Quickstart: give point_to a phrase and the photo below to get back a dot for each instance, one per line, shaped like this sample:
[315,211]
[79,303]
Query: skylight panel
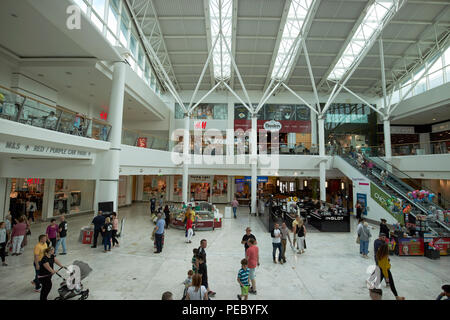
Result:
[374,19]
[221,18]
[298,11]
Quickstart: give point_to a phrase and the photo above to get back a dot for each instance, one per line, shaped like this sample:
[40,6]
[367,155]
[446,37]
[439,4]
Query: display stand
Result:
[329,223]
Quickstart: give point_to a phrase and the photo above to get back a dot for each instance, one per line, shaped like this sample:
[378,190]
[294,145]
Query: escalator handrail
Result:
[409,178]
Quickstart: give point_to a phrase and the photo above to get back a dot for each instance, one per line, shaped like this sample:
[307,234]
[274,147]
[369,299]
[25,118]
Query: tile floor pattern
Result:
[331,268]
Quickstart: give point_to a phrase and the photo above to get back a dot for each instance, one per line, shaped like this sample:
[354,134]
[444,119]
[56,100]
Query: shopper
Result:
[115,223]
[98,223]
[38,255]
[276,243]
[248,235]
[107,234]
[294,230]
[358,228]
[18,233]
[3,241]
[364,236]
[161,202]
[203,271]
[234,205]
[167,296]
[253,261]
[384,228]
[358,210]
[31,209]
[159,233]
[46,271]
[194,260]
[197,291]
[52,232]
[377,244]
[284,237]
[242,279]
[202,253]
[152,204]
[189,229]
[62,234]
[27,233]
[301,233]
[167,215]
[385,266]
[444,293]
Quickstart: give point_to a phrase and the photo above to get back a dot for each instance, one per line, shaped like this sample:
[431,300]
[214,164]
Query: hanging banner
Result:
[382,198]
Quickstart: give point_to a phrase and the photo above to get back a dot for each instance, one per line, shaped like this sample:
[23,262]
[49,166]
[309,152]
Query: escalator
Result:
[395,187]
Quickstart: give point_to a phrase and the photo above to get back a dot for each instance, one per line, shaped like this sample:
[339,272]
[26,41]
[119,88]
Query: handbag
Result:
[357,240]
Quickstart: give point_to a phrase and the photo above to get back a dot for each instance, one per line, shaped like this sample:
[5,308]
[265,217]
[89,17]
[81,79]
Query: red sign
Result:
[411,247]
[287,126]
[33,181]
[103,115]
[200,125]
[142,142]
[442,244]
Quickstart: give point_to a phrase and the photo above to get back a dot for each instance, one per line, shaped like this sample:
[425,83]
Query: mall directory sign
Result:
[411,247]
[383,199]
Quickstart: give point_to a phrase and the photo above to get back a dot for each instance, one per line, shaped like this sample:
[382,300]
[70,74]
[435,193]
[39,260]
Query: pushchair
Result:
[65,293]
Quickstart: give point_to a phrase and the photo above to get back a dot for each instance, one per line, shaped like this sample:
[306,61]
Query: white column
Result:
[4,198]
[48,199]
[109,183]
[129,194]
[424,139]
[387,139]
[322,172]
[186,156]
[254,161]
[313,129]
[140,188]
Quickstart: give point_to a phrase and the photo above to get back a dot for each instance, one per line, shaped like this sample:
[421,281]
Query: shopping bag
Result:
[357,240]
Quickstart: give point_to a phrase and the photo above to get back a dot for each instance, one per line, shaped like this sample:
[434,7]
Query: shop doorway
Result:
[200,191]
[23,190]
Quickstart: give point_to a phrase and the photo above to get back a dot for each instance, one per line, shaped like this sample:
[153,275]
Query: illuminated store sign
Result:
[346,118]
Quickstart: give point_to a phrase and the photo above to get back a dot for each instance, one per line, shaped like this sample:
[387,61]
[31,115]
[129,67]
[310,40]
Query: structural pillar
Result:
[109,183]
[387,139]
[322,169]
[48,200]
[313,129]
[4,198]
[186,157]
[254,162]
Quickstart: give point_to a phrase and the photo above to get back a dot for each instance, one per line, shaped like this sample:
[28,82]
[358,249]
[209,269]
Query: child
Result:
[187,283]
[242,278]
[107,234]
[194,260]
[3,241]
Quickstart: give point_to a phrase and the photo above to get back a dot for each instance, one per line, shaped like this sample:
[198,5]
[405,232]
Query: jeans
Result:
[234,211]
[275,247]
[107,242]
[53,241]
[61,241]
[96,232]
[37,284]
[364,247]
[158,240]
[17,241]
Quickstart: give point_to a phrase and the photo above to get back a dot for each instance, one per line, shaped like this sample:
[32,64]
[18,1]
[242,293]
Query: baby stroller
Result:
[65,293]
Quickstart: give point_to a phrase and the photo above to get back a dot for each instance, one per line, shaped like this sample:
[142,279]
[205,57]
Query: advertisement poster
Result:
[411,247]
[382,198]
[443,244]
[142,142]
[362,199]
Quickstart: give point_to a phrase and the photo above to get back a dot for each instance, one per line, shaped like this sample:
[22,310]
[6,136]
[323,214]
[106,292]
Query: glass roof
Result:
[374,19]
[298,11]
[221,16]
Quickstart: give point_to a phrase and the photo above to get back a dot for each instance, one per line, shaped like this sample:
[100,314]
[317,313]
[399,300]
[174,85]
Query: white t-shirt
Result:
[276,233]
[196,295]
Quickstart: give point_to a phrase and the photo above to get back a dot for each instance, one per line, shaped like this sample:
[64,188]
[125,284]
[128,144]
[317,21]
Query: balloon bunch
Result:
[394,204]
[421,195]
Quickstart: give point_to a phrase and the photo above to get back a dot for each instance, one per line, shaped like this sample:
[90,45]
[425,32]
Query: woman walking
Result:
[189,229]
[27,233]
[52,232]
[197,291]
[115,223]
[364,236]
[107,234]
[46,271]
[18,233]
[167,215]
[301,233]
[385,266]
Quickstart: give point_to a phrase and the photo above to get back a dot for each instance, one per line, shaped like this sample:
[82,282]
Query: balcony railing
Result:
[20,108]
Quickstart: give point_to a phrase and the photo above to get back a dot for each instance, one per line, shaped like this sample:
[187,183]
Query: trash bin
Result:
[86,235]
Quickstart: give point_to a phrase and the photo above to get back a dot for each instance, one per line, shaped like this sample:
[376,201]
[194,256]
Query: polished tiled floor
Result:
[331,268]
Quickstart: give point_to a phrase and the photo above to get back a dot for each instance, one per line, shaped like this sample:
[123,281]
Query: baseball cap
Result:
[382,234]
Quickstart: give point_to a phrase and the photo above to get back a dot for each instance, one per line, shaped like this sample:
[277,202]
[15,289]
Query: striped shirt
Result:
[243,276]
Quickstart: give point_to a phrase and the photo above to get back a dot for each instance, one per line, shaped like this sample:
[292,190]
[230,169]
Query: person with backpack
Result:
[276,243]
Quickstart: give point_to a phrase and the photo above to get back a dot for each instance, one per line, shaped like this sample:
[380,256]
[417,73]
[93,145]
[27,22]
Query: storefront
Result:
[209,188]
[73,196]
[154,186]
[23,189]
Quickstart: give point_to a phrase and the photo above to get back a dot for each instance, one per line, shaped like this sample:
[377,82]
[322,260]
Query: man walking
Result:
[202,253]
[235,205]
[62,233]
[378,243]
[248,235]
[284,237]
[98,223]
[159,232]
[253,261]
[276,244]
[38,255]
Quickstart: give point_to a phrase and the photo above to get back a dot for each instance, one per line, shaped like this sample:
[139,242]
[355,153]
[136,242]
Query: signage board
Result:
[382,198]
[443,244]
[346,118]
[142,142]
[272,126]
[362,199]
[411,247]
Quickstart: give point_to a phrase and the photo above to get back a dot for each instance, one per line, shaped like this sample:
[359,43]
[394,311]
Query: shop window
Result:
[154,186]
[73,196]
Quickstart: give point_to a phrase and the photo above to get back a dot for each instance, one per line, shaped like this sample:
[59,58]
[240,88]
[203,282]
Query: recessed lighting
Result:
[434,119]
